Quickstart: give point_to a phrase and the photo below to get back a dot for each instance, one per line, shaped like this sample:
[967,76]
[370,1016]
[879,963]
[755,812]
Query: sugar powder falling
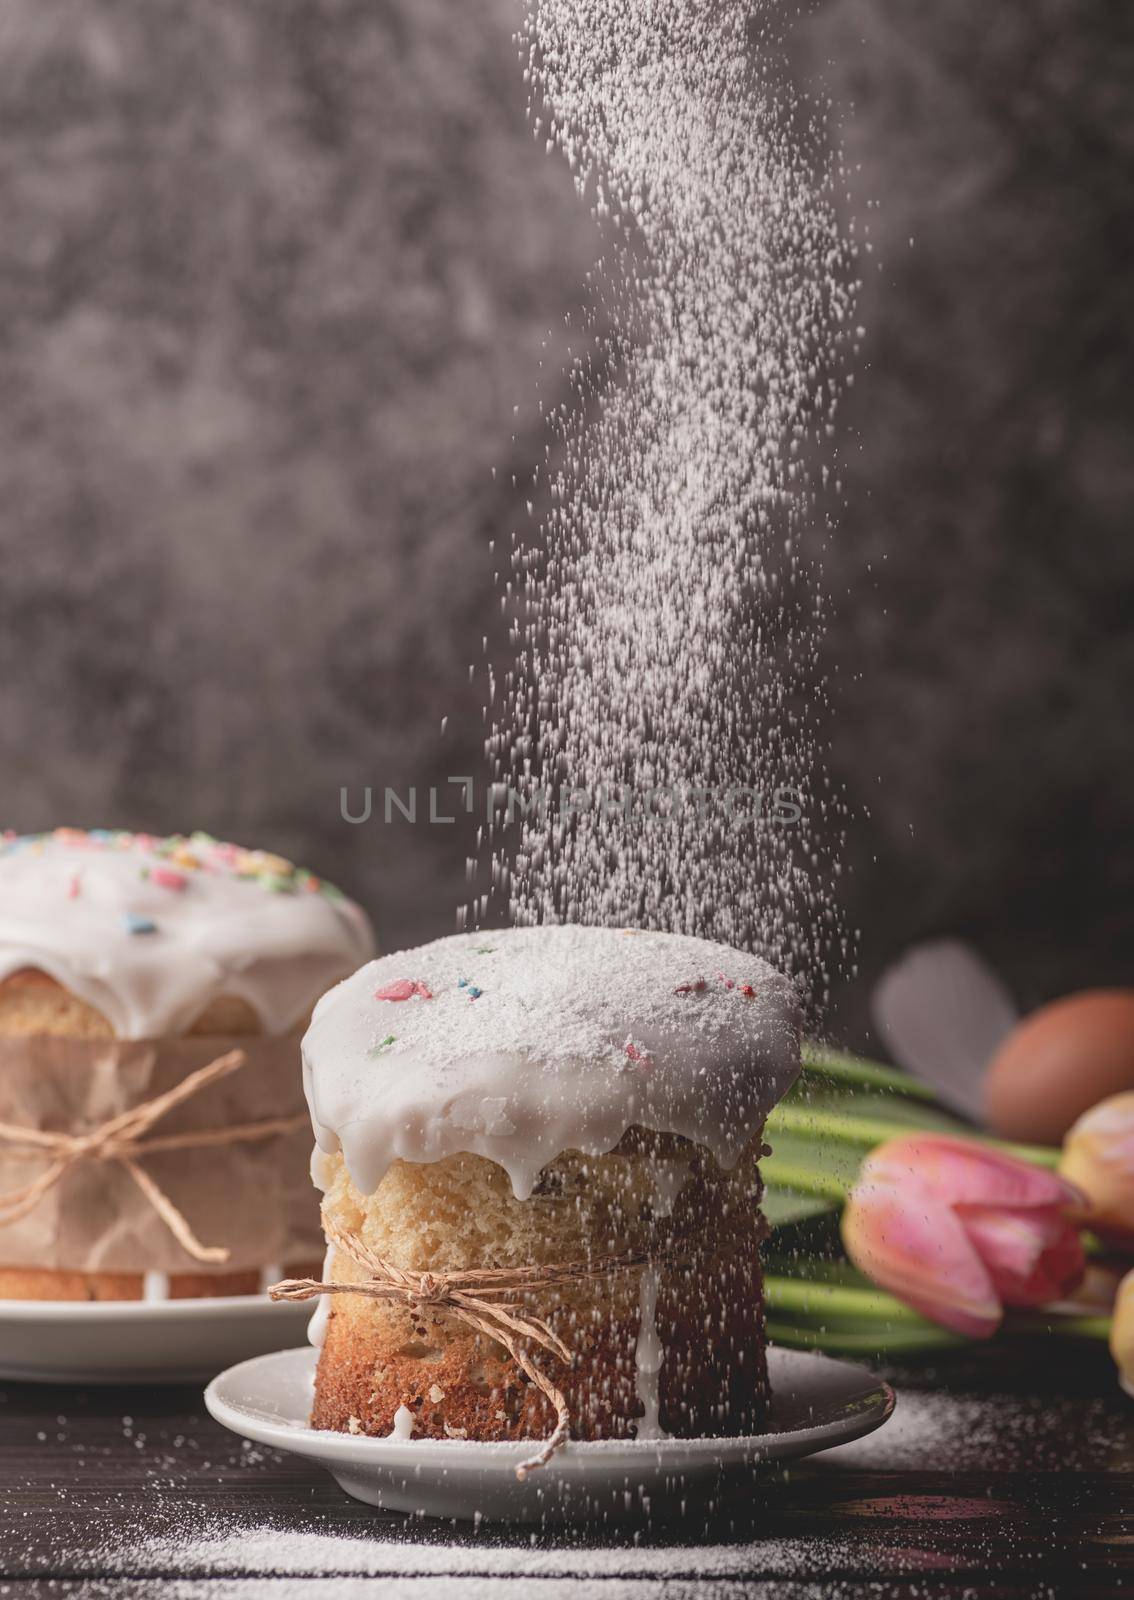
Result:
[659,715]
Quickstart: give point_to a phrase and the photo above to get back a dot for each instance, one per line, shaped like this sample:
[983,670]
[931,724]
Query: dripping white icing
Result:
[155,1286]
[540,1040]
[268,1276]
[669,1178]
[149,931]
[403,1424]
[648,1356]
[317,1326]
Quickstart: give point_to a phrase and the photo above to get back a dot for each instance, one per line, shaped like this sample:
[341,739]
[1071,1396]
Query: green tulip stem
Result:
[817,1298]
[871,1131]
[839,1067]
[870,1342]
[834,1316]
[805,1180]
[820,1301]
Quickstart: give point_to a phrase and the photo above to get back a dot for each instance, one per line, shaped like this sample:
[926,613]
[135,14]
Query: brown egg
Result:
[1059,1062]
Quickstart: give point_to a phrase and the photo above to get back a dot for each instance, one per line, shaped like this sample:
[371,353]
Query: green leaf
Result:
[840,1067]
[783,1208]
[822,1168]
[872,1104]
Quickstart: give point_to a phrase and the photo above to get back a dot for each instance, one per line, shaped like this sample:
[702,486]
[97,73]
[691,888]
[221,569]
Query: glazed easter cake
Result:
[129,963]
[532,1101]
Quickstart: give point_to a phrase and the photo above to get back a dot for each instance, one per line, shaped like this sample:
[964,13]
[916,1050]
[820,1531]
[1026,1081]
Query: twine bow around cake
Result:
[123,1139]
[481,1297]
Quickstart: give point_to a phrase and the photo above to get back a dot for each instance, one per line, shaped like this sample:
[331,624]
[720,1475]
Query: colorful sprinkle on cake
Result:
[171,861]
[149,930]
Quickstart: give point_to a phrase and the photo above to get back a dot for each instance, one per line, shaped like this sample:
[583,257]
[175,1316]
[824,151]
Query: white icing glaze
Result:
[540,1040]
[403,1424]
[149,930]
[670,1177]
[317,1326]
[648,1356]
[155,1286]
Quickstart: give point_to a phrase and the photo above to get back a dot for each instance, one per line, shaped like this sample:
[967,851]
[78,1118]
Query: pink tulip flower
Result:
[1098,1158]
[959,1231]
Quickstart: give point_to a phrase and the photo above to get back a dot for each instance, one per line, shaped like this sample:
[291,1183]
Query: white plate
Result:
[143,1341]
[816,1403]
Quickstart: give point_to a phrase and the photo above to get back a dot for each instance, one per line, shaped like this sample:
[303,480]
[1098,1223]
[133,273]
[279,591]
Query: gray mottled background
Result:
[275,276]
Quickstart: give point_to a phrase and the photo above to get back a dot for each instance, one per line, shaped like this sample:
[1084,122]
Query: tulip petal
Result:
[1111,1120]
[918,1249]
[967,1174]
[1032,1257]
[1098,1157]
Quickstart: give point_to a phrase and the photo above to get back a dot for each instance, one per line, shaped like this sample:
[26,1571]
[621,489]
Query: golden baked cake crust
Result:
[33,1003]
[377,1357]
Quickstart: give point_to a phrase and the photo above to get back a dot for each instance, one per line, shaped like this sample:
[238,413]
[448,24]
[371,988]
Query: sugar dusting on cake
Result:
[149,930]
[525,1043]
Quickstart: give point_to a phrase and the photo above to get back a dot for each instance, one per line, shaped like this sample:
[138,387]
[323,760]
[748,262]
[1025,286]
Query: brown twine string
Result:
[122,1138]
[471,1296]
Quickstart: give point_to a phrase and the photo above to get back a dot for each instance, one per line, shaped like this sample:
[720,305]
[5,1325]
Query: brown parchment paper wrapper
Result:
[255,1198]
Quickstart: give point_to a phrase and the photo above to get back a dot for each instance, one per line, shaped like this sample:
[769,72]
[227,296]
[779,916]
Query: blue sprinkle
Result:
[462,983]
[474,992]
[137,924]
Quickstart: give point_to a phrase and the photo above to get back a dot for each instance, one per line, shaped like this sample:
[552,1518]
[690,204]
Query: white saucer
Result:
[145,1341]
[816,1403]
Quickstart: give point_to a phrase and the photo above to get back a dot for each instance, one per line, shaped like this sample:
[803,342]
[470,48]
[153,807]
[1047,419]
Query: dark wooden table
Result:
[1004,1473]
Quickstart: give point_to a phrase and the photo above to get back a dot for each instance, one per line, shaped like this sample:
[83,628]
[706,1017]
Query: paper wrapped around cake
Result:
[250,1196]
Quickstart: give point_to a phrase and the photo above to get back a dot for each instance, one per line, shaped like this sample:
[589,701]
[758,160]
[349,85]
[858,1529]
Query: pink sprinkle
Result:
[636,1053]
[168,877]
[691,988]
[74,887]
[403,989]
[748,991]
[728,983]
